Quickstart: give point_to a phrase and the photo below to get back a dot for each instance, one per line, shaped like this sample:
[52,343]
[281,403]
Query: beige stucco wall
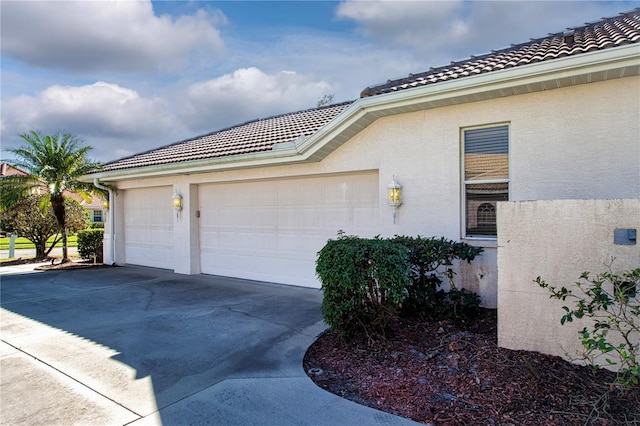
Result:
[556,240]
[577,142]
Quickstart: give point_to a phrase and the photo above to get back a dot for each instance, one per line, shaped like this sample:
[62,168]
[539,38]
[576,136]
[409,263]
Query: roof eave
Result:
[590,67]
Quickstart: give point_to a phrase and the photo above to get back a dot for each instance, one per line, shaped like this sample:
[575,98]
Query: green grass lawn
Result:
[23,243]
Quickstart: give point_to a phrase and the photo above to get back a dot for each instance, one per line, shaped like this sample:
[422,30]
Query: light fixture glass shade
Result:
[105,204]
[177,201]
[395,193]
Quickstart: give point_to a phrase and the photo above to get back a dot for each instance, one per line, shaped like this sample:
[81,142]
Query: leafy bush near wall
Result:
[612,303]
[363,281]
[432,260]
[90,244]
[369,282]
[96,225]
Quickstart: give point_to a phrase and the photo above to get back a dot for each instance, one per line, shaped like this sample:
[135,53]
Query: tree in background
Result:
[54,164]
[32,218]
[325,100]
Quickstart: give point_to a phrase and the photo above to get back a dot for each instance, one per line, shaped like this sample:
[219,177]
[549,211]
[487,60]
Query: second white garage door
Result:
[272,230]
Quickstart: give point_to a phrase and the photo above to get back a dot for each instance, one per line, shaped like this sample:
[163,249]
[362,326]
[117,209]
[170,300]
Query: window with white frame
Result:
[97,216]
[486,177]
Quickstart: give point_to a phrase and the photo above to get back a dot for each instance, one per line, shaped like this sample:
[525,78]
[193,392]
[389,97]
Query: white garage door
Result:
[272,230]
[148,227]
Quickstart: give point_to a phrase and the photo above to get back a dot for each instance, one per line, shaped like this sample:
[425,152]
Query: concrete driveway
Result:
[130,345]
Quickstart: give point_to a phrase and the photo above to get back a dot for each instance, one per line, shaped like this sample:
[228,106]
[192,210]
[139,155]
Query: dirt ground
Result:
[440,373]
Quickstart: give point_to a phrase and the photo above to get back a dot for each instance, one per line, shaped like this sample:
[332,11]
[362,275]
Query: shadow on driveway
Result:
[132,345]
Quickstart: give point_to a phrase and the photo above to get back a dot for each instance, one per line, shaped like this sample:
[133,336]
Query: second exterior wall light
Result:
[394,191]
[177,203]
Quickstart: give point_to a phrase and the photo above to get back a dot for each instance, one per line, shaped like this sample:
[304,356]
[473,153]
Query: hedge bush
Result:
[363,281]
[431,260]
[90,244]
[367,283]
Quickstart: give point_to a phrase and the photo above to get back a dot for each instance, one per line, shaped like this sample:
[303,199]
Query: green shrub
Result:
[90,244]
[368,282]
[431,259]
[461,304]
[610,301]
[96,225]
[363,281]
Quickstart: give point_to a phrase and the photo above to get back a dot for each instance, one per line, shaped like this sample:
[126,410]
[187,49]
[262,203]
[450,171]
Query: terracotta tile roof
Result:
[604,34]
[254,136]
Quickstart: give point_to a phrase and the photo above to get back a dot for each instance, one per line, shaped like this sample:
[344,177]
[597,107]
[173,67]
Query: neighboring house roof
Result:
[254,136]
[607,49]
[605,34]
[9,170]
[96,201]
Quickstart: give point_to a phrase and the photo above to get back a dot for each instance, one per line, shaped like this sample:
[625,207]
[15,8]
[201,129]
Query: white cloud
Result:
[118,121]
[97,112]
[441,31]
[248,94]
[122,36]
[410,23]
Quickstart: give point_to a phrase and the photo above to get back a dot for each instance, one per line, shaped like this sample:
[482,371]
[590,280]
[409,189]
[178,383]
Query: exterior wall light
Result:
[394,191]
[105,210]
[177,203]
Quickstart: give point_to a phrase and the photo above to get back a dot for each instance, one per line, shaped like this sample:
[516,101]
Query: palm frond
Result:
[16,187]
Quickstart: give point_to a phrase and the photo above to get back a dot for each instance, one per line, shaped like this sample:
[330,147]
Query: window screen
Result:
[486,177]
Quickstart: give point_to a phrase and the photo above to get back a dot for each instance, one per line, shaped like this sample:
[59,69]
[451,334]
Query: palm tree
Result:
[53,164]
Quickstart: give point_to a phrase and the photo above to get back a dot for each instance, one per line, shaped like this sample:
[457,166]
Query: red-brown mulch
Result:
[54,264]
[70,265]
[440,373]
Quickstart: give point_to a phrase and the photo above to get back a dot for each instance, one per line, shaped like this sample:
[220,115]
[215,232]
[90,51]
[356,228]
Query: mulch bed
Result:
[54,264]
[71,265]
[440,373]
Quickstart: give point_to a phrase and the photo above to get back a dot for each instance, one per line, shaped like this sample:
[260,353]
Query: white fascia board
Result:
[260,159]
[366,110]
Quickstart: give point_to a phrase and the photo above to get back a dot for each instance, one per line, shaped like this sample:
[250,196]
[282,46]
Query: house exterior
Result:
[554,118]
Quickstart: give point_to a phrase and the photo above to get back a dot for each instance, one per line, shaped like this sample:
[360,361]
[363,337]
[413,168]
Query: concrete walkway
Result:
[140,346]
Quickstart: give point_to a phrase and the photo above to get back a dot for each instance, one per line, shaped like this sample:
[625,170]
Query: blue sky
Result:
[128,76]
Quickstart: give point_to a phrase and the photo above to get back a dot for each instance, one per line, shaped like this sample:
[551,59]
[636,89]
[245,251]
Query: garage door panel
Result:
[272,230]
[148,227]
[336,216]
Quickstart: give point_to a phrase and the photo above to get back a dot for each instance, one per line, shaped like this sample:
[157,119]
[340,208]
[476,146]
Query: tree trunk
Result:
[57,203]
[41,248]
[56,240]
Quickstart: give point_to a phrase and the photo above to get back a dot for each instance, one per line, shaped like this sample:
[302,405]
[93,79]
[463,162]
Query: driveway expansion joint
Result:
[41,361]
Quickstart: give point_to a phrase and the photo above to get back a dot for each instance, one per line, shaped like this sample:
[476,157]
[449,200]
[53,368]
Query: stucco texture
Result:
[579,142]
[557,240]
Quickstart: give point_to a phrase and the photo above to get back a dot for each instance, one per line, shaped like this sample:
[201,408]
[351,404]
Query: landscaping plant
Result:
[53,164]
[34,219]
[90,244]
[610,301]
[431,260]
[367,283]
[363,281]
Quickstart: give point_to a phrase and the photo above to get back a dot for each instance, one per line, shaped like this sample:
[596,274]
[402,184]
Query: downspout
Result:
[112,225]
